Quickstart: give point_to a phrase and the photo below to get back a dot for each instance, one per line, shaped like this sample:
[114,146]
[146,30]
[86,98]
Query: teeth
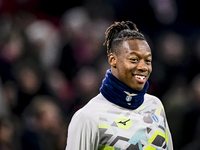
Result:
[140,77]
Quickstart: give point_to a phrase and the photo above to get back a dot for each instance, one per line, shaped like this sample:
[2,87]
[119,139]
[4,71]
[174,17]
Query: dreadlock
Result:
[120,31]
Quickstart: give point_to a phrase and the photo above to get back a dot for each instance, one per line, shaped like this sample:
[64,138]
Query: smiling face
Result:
[131,64]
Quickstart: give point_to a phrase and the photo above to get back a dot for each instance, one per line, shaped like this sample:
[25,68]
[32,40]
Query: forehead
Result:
[136,45]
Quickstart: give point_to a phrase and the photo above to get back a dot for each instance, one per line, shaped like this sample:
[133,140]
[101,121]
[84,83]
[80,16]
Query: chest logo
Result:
[124,122]
[129,96]
[155,118]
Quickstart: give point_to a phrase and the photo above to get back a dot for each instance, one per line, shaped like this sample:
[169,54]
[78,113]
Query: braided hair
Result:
[120,31]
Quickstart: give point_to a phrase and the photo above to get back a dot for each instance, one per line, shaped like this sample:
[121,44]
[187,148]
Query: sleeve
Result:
[83,133]
[169,137]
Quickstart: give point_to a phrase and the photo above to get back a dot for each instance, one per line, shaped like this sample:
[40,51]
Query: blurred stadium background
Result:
[52,61]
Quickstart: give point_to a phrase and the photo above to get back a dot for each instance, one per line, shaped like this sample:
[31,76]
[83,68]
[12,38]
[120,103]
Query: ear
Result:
[112,59]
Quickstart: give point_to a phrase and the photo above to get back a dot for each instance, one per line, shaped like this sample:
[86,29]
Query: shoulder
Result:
[83,129]
[91,110]
[152,98]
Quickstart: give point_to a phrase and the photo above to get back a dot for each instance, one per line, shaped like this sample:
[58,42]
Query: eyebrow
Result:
[137,53]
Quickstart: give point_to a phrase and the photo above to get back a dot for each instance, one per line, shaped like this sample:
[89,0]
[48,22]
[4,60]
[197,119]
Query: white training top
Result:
[102,125]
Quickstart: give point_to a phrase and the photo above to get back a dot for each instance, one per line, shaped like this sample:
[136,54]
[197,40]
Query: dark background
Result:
[52,62]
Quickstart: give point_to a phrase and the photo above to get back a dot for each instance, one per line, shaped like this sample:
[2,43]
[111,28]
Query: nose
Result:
[142,66]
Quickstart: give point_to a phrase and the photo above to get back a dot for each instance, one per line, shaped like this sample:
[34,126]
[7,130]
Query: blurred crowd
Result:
[52,62]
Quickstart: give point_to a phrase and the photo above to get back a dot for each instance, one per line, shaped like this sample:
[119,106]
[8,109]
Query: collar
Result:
[120,94]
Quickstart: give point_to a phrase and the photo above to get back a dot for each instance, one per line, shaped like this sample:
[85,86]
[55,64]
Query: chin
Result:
[138,88]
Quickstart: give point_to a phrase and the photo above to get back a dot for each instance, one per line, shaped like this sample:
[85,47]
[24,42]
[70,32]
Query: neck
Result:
[120,94]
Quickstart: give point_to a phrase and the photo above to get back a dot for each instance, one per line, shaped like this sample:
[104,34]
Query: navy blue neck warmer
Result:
[118,93]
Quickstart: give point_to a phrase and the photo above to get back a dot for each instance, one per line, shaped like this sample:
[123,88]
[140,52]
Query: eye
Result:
[134,60]
[148,60]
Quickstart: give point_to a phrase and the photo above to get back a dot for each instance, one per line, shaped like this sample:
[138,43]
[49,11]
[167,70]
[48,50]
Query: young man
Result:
[122,116]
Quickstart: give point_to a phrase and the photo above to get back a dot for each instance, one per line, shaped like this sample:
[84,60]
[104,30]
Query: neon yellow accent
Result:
[104,126]
[155,135]
[166,136]
[124,122]
[159,109]
[141,107]
[149,147]
[106,147]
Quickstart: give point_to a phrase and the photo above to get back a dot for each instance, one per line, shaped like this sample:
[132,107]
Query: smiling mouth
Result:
[140,78]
